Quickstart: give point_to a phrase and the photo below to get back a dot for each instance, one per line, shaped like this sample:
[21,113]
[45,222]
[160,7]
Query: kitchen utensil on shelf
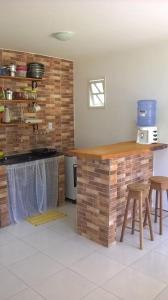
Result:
[2,93]
[8,94]
[1,154]
[36,107]
[2,108]
[33,121]
[6,116]
[12,70]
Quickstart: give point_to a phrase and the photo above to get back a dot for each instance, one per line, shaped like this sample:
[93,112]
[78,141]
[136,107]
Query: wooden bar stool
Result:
[139,193]
[159,184]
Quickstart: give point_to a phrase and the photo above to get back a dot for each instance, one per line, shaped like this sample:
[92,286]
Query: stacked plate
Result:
[35,70]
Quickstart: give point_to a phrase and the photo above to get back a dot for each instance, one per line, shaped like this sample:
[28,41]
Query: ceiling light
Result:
[63,35]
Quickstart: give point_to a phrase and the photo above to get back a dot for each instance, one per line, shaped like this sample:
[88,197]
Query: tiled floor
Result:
[52,262]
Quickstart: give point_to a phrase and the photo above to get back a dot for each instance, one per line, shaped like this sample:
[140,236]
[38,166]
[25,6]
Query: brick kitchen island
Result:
[102,178]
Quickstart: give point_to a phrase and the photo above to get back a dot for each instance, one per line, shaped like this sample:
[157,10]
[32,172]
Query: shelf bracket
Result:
[35,127]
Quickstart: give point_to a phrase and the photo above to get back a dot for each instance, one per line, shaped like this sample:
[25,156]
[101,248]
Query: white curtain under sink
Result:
[32,187]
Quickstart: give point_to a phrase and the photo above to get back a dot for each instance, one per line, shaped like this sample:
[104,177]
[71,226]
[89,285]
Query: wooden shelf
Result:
[14,124]
[20,78]
[5,102]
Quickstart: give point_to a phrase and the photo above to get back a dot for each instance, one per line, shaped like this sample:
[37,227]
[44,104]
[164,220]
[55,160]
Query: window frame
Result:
[100,79]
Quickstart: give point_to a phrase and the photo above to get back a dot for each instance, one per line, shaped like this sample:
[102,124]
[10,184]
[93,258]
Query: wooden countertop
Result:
[115,150]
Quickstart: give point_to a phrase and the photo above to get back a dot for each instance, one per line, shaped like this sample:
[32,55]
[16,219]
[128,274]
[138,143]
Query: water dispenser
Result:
[146,122]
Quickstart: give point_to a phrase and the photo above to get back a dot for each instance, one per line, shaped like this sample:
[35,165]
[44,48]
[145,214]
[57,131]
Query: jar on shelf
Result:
[12,70]
[21,70]
[2,93]
[4,71]
[30,94]
[8,94]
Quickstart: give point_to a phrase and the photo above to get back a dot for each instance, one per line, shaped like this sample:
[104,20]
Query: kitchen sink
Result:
[35,154]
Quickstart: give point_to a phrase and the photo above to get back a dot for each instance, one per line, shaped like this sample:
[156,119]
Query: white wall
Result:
[130,75]
[160,167]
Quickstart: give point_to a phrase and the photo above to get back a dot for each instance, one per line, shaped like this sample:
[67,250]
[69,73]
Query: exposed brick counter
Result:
[4,216]
[102,182]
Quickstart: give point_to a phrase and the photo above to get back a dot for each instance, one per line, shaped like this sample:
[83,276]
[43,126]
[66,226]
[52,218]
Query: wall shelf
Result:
[10,102]
[21,78]
[13,124]
[17,78]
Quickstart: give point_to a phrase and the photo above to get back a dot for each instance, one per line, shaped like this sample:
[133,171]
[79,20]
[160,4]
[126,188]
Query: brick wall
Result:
[55,95]
[102,192]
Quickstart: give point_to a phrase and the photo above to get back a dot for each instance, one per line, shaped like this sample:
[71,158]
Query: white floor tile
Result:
[71,217]
[44,239]
[97,268]
[153,264]
[100,294]
[133,239]
[35,268]
[71,250]
[14,252]
[163,295]
[64,285]
[165,220]
[69,209]
[24,228]
[64,228]
[6,237]
[9,284]
[160,237]
[162,248]
[122,252]
[132,285]
[91,265]
[27,294]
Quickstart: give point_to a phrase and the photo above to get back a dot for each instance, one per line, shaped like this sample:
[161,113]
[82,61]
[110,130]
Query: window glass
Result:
[97,93]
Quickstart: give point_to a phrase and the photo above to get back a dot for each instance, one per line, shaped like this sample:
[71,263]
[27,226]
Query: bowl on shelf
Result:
[35,70]
[4,71]
[21,70]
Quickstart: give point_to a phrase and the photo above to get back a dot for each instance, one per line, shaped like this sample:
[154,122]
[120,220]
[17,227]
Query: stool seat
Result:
[160,182]
[138,187]
[138,192]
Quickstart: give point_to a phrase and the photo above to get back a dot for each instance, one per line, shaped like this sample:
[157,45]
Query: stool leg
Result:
[125,219]
[156,206]
[133,216]
[149,219]
[150,203]
[161,213]
[141,223]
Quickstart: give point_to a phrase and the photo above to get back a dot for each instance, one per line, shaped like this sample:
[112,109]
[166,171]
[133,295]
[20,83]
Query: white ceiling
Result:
[101,26]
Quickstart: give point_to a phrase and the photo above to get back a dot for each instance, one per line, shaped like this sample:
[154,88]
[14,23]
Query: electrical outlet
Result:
[50,125]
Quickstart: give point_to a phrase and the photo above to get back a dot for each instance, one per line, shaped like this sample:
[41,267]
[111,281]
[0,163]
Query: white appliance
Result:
[71,177]
[147,135]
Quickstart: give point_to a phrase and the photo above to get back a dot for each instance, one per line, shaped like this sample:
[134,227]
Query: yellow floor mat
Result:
[46,217]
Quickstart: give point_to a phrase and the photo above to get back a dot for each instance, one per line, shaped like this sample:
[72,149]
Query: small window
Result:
[97,93]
